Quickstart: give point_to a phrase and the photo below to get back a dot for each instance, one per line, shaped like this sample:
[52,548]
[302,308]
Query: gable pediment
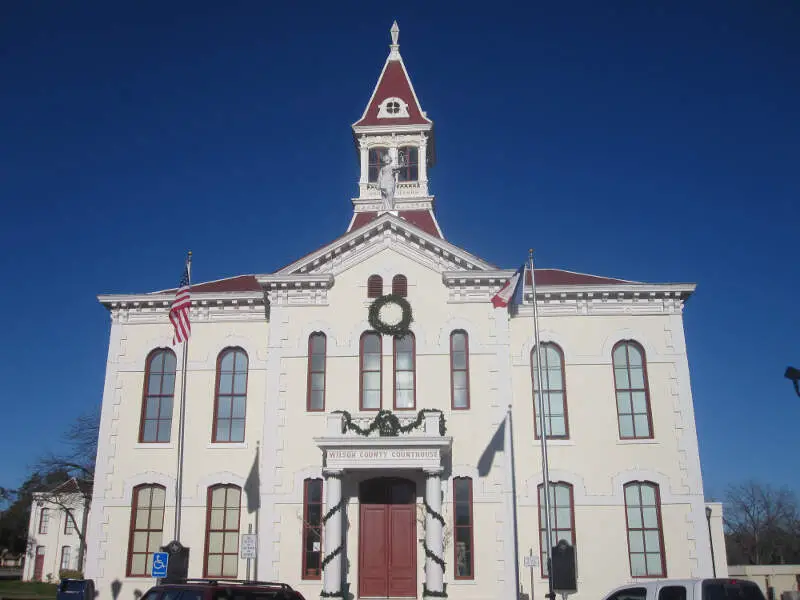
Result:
[387,231]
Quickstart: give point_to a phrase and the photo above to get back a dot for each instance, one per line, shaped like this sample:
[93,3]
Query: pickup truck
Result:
[688,589]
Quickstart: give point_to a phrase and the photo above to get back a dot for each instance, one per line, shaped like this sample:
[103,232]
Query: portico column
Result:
[434,524]
[332,570]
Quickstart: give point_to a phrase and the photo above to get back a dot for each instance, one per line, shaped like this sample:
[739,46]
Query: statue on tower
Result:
[387,181]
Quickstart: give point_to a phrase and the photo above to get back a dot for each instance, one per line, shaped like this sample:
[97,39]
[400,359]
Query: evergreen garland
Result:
[398,329]
[388,425]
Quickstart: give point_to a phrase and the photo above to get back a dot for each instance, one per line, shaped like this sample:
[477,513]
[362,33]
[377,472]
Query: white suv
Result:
[688,589]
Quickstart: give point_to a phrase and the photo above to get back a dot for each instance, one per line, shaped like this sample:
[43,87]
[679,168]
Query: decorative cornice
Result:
[161,300]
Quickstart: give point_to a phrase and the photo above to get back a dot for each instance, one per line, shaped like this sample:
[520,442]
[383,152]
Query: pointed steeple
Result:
[394,132]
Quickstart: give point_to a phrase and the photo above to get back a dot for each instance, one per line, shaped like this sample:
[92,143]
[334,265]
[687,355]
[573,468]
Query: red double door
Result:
[387,540]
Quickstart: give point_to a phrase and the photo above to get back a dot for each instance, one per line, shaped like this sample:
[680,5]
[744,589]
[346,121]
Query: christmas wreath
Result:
[384,317]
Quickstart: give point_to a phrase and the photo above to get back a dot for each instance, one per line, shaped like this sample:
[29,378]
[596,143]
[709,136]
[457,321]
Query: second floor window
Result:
[404,372]
[316,371]
[231,400]
[312,529]
[633,396]
[159,390]
[410,172]
[44,520]
[555,393]
[459,369]
[371,371]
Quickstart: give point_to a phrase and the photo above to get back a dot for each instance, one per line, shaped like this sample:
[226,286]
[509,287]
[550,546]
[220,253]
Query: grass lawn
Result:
[27,589]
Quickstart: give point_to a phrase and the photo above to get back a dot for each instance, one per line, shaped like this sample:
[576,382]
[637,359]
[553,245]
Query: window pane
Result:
[215,564]
[318,363]
[641,425]
[624,402]
[154,384]
[149,432]
[138,564]
[217,517]
[460,398]
[225,383]
[621,376]
[315,490]
[157,362]
[404,380]
[620,359]
[626,426]
[372,362]
[462,487]
[462,513]
[169,362]
[226,364]
[156,518]
[372,381]
[556,403]
[459,342]
[557,426]
[317,343]
[238,407]
[168,384]
[648,495]
[404,361]
[223,430]
[165,411]
[637,378]
[241,362]
[651,541]
[151,408]
[224,408]
[554,380]
[632,495]
[158,497]
[405,399]
[154,541]
[231,543]
[654,564]
[371,343]
[317,399]
[638,566]
[639,402]
[237,430]
[240,383]
[634,518]
[459,360]
[140,541]
[650,516]
[163,430]
[218,497]
[636,541]
[372,399]
[564,517]
[634,356]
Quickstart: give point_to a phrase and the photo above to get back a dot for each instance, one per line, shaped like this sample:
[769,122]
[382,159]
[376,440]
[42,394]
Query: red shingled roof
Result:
[419,218]
[394,83]
[239,283]
[560,277]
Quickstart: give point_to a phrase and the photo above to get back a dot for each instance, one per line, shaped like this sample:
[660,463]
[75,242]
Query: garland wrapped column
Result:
[332,537]
[434,542]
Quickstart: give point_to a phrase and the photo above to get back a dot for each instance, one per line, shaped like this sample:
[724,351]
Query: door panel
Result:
[402,555]
[372,573]
[38,565]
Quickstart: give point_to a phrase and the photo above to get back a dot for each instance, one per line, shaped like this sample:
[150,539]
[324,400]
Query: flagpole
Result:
[542,429]
[181,428]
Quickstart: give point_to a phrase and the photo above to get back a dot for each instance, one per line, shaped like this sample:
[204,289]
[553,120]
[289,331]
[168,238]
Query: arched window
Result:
[312,529]
[370,371]
[633,395]
[555,393]
[317,343]
[376,162]
[645,534]
[44,521]
[159,391]
[404,372]
[374,286]
[147,528]
[462,528]
[409,172]
[222,531]
[400,285]
[231,397]
[562,518]
[459,369]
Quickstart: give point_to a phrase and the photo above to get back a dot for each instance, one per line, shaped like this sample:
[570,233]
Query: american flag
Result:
[179,311]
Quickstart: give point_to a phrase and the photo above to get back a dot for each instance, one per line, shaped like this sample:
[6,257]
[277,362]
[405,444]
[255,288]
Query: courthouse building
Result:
[371,455]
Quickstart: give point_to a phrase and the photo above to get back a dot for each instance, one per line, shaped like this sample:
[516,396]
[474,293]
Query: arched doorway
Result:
[387,552]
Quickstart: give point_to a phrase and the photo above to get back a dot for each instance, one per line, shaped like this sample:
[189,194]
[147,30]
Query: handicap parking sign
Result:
[160,560]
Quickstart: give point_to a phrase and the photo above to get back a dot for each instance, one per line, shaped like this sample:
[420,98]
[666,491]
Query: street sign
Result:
[249,545]
[160,561]
[531,561]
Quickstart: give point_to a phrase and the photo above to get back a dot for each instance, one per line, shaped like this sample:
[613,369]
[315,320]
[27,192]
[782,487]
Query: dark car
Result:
[222,589]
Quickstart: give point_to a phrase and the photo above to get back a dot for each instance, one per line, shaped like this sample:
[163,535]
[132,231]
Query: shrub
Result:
[70,574]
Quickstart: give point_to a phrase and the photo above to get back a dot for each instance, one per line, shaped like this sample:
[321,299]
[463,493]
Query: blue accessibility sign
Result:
[160,560]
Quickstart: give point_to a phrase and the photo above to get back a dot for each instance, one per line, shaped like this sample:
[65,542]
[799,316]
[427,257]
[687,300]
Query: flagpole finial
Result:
[530,252]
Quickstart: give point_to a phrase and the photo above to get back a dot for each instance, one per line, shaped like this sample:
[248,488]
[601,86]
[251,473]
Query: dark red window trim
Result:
[161,422]
[44,521]
[229,397]
[361,370]
[400,285]
[657,491]
[645,389]
[470,527]
[307,525]
[225,530]
[374,286]
[132,528]
[453,369]
[312,372]
[548,416]
[413,371]
[554,525]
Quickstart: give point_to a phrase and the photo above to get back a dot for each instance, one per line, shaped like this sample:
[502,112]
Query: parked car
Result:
[688,589]
[222,589]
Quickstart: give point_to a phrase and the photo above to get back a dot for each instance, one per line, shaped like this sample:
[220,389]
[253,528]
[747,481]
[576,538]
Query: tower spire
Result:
[394,47]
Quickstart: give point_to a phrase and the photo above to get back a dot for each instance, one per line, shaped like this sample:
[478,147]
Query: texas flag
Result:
[511,292]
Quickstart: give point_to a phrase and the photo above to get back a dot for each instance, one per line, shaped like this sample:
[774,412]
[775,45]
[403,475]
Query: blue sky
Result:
[654,141]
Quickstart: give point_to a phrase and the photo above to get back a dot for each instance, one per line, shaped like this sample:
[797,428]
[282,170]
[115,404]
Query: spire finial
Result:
[394,47]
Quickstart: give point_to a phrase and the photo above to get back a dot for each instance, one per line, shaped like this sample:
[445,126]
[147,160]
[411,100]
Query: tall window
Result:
[317,343]
[229,408]
[633,396]
[555,393]
[147,527]
[159,389]
[44,520]
[459,369]
[376,162]
[69,524]
[370,371]
[222,531]
[462,528]
[312,529]
[374,286]
[410,172]
[404,376]
[645,537]
[400,285]
[562,519]
[66,551]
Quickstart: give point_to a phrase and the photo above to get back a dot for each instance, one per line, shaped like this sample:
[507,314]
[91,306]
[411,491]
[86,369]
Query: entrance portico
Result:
[387,519]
